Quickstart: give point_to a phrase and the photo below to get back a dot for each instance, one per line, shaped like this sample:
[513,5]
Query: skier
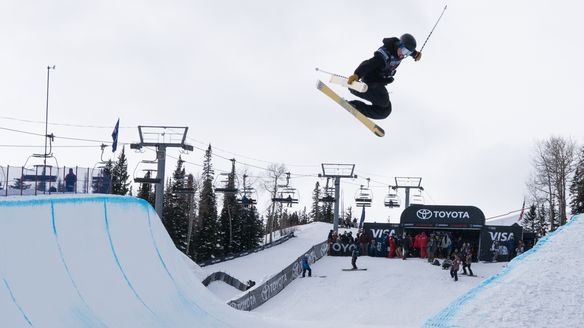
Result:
[378,72]
[306,266]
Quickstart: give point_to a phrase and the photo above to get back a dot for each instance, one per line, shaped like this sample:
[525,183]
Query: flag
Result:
[362,218]
[522,210]
[115,136]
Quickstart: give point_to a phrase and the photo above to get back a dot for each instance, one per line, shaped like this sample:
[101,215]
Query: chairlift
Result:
[39,169]
[222,184]
[392,199]
[328,193]
[150,169]
[287,195]
[247,196]
[2,178]
[364,196]
[417,199]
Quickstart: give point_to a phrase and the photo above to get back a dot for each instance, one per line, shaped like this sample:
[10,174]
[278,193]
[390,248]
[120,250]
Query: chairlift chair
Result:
[222,184]
[392,199]
[363,197]
[417,199]
[247,196]
[287,196]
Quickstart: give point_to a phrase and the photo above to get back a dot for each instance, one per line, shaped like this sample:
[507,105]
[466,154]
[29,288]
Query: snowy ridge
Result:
[460,313]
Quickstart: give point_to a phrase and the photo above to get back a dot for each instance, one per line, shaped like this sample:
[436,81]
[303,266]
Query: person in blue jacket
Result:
[306,266]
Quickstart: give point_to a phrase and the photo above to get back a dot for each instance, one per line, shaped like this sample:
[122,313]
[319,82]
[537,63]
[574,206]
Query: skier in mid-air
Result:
[378,71]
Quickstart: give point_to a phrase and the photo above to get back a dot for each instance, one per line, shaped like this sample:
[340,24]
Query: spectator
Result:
[363,241]
[406,243]
[423,244]
[494,251]
[392,246]
[445,245]
[430,248]
[467,259]
[70,181]
[455,267]
[520,248]
[354,255]
[306,266]
[511,246]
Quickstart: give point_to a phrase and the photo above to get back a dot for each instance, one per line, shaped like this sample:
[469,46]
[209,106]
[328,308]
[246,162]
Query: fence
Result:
[47,179]
[262,293]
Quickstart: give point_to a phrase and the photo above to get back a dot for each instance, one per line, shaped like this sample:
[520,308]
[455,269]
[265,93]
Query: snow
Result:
[97,261]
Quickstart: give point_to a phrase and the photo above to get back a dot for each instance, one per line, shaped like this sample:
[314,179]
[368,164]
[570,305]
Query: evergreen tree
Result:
[252,229]
[119,177]
[101,184]
[577,186]
[175,211]
[207,240]
[316,212]
[529,219]
[230,220]
[145,191]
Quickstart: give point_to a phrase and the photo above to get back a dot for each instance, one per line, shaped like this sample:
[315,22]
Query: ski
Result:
[341,80]
[354,269]
[362,118]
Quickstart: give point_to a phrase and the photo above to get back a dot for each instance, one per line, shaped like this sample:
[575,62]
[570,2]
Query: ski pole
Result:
[443,10]
[329,73]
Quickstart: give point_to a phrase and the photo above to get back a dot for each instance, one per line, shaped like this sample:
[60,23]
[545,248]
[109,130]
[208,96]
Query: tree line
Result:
[556,185]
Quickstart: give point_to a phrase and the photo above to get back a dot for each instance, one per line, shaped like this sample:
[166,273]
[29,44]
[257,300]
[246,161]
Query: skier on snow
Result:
[378,71]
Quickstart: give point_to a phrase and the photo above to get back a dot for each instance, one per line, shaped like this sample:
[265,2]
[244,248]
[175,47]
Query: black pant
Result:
[380,105]
[454,274]
[354,262]
[304,272]
[464,266]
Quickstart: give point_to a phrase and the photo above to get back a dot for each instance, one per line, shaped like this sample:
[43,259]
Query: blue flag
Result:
[115,136]
[362,218]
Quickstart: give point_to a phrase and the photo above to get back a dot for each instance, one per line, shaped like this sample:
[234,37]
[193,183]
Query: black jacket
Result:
[381,67]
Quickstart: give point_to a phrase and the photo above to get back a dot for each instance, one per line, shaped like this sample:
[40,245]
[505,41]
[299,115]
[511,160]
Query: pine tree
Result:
[252,230]
[145,191]
[120,184]
[207,240]
[101,184]
[230,220]
[175,212]
[529,219]
[577,186]
[316,212]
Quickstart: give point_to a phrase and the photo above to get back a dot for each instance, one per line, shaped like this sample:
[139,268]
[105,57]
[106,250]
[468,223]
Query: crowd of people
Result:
[455,252]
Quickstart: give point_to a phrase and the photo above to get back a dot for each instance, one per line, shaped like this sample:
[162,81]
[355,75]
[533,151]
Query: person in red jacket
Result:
[423,244]
[392,245]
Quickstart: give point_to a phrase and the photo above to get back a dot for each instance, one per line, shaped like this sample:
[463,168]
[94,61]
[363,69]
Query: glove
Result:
[352,78]
[417,55]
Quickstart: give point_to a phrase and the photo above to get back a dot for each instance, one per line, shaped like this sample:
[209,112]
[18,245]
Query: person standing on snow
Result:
[306,266]
[354,255]
[378,71]
[455,266]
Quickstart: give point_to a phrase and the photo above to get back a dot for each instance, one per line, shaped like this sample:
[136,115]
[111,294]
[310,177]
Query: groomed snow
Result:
[106,261]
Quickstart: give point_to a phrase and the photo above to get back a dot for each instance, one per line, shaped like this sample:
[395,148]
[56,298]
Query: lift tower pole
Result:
[337,171]
[160,137]
[408,183]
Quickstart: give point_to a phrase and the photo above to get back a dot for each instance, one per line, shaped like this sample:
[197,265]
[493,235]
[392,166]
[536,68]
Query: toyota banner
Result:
[442,216]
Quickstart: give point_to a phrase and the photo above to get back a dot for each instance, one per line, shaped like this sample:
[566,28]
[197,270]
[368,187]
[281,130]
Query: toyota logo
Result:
[424,214]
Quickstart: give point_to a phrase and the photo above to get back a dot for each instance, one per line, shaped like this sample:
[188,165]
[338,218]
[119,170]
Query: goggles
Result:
[405,51]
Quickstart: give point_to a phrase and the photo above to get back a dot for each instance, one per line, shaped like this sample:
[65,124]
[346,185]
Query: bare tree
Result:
[553,164]
[274,174]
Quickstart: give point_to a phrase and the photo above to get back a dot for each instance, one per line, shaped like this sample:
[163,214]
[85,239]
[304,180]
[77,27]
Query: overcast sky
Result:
[495,77]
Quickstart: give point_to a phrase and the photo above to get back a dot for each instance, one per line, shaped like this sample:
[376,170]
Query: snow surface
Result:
[106,261]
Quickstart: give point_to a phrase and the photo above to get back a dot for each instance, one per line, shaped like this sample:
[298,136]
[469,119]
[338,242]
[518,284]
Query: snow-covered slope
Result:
[541,288]
[99,261]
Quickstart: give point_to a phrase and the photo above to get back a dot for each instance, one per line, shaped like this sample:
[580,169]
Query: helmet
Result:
[408,41]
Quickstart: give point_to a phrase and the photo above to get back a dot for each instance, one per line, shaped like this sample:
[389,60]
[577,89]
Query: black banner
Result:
[440,216]
[506,238]
[262,293]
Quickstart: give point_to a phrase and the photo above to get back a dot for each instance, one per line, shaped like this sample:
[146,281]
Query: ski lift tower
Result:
[161,137]
[337,171]
[408,183]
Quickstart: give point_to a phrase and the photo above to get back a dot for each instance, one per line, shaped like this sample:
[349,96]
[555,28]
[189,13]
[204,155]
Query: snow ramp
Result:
[540,288]
[98,261]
